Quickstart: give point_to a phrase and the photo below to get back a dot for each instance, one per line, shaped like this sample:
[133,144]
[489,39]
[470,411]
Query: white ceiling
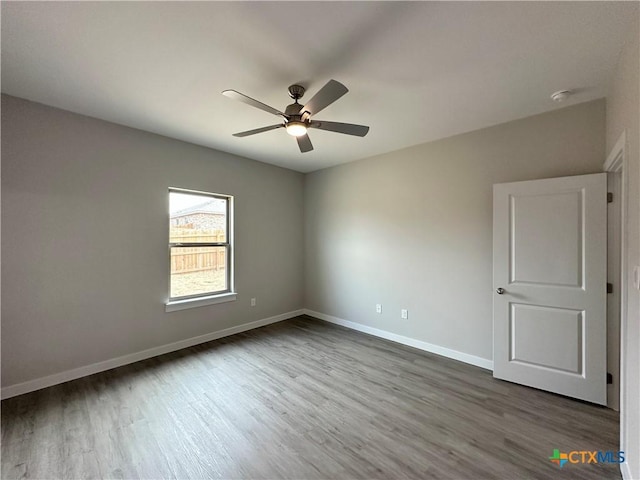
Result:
[416,71]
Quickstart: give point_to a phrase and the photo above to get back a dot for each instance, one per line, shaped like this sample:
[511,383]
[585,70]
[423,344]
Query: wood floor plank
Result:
[300,399]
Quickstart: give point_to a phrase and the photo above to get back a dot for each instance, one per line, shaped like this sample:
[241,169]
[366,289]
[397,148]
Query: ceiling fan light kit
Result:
[296,129]
[297,118]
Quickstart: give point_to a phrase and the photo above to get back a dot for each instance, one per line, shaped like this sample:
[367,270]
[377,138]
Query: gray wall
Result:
[623,114]
[85,232]
[413,228]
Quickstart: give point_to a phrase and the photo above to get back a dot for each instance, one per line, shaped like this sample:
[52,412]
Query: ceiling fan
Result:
[297,118]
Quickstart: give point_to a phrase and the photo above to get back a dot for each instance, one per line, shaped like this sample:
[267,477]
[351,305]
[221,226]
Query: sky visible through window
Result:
[180,201]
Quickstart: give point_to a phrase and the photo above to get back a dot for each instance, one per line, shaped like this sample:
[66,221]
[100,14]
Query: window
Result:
[200,249]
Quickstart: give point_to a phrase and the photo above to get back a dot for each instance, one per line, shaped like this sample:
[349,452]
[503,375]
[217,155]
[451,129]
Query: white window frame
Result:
[209,298]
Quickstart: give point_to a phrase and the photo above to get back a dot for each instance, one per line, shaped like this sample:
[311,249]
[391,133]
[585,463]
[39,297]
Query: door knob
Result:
[500,291]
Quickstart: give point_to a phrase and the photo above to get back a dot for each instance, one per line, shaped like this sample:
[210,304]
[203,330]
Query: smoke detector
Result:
[560,96]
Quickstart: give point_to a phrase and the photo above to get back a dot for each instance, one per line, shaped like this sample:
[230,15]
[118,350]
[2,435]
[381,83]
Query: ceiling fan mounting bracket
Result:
[296,91]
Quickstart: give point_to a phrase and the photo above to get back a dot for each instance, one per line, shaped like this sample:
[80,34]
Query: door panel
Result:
[550,260]
[547,337]
[545,223]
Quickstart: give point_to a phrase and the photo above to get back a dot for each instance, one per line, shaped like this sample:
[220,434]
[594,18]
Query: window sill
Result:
[176,305]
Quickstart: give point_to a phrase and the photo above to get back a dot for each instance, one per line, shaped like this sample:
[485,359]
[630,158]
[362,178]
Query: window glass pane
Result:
[198,270]
[197,218]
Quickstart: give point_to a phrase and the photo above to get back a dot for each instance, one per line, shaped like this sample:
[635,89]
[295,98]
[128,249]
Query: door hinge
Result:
[609,379]
[609,287]
[609,197]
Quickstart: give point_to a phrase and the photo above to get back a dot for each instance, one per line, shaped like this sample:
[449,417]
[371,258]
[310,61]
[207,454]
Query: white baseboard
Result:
[68,375]
[411,342]
[55,379]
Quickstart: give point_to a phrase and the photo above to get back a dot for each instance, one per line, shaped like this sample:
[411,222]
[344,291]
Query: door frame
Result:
[614,238]
[617,163]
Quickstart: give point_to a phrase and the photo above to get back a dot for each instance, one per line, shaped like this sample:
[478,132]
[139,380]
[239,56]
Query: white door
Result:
[549,280]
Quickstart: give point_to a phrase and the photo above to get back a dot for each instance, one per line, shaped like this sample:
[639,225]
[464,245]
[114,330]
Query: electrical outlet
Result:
[404,313]
[253,302]
[378,308]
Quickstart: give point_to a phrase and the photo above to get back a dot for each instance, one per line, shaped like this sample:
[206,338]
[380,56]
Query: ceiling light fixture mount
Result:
[561,95]
[296,92]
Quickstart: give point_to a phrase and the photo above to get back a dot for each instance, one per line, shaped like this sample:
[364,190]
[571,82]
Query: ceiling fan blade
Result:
[250,101]
[348,128]
[328,94]
[304,142]
[258,130]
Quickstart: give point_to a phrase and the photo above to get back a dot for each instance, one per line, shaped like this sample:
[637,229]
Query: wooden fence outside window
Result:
[196,259]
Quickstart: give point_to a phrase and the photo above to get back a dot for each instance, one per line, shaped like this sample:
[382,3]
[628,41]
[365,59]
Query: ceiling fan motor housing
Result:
[293,112]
